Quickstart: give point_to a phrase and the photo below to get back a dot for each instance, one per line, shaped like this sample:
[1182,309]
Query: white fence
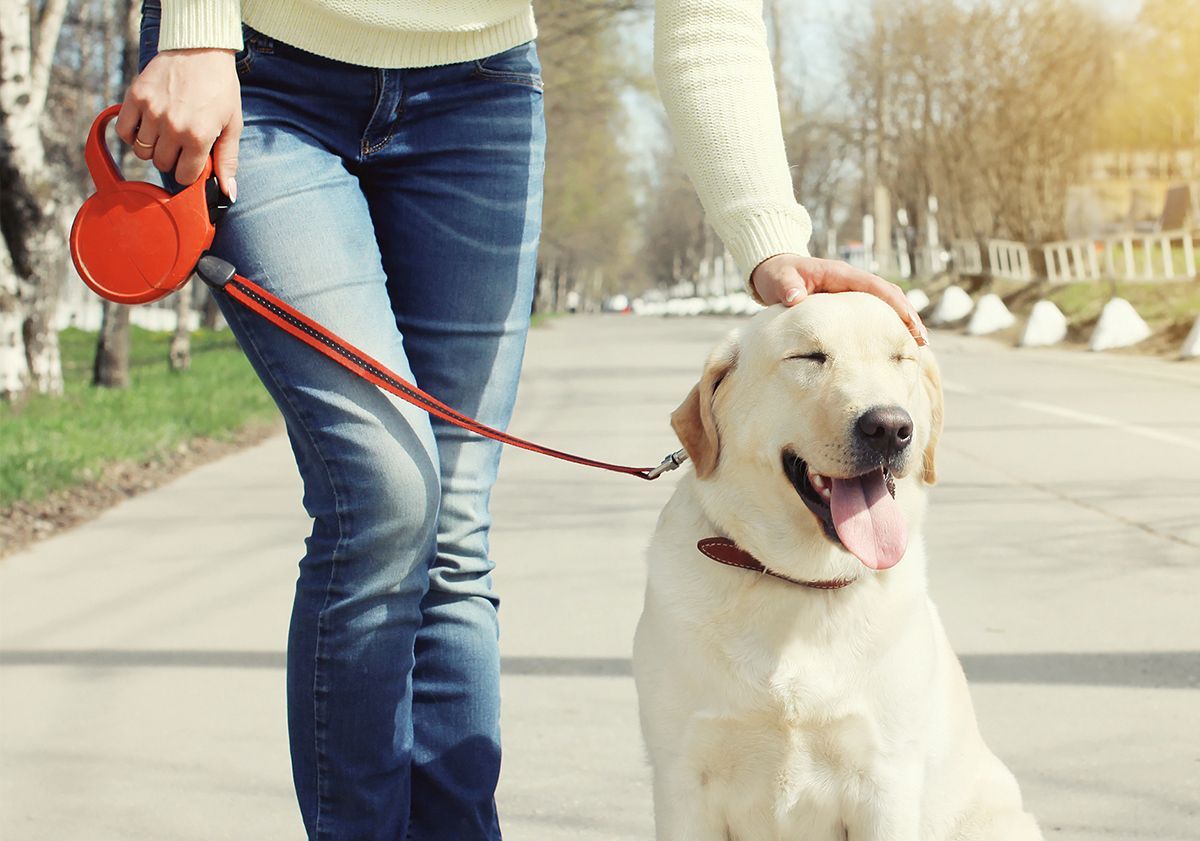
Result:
[1157,257]
[967,256]
[1071,260]
[1009,259]
[1170,255]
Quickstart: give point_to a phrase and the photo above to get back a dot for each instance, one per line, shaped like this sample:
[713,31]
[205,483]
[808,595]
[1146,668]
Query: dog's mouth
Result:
[857,513]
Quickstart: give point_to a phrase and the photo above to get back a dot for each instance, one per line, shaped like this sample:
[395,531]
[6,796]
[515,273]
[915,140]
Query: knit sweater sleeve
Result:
[714,76]
[201,23]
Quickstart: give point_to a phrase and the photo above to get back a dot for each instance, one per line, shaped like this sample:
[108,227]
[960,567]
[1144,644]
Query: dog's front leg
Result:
[683,810]
[891,811]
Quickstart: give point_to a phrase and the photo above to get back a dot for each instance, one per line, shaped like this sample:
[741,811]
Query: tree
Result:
[589,208]
[110,368]
[1156,104]
[32,257]
[989,106]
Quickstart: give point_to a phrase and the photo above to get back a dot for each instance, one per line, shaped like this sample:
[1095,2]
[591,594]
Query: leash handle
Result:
[220,275]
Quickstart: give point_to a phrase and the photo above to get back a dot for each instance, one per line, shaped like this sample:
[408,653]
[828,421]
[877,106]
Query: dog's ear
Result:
[931,381]
[694,421]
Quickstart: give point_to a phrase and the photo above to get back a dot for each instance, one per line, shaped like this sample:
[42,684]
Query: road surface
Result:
[141,655]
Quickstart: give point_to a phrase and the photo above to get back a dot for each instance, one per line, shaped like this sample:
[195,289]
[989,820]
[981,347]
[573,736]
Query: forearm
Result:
[188,24]
[714,75]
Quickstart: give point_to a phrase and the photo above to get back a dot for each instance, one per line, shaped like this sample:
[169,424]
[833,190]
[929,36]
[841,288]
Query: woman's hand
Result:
[789,278]
[185,104]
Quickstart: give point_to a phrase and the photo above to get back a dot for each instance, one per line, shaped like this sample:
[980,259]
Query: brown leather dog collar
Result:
[725,551]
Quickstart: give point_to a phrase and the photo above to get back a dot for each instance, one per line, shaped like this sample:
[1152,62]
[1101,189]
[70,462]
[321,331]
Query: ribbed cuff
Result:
[765,235]
[190,24]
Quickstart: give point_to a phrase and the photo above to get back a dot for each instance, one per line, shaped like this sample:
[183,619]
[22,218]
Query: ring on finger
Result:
[138,142]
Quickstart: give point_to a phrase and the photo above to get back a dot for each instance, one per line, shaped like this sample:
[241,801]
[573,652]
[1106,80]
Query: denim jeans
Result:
[401,209]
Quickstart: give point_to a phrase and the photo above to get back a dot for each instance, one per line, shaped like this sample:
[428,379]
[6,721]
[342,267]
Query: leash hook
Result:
[669,463]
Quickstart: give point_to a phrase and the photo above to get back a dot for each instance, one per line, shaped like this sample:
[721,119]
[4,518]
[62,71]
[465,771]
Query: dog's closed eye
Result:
[813,356]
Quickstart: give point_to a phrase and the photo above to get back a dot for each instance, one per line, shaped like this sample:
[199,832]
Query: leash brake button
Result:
[215,199]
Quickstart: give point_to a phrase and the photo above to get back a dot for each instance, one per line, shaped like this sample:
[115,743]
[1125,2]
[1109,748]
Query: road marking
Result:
[1084,417]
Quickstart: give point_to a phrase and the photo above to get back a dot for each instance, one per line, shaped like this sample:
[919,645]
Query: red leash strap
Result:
[221,275]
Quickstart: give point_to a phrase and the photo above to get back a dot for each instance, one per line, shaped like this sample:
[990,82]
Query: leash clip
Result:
[668,464]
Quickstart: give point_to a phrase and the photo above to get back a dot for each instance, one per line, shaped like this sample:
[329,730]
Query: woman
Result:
[385,160]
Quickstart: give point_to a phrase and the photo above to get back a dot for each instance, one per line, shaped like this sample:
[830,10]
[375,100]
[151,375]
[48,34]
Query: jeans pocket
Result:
[519,66]
[254,44]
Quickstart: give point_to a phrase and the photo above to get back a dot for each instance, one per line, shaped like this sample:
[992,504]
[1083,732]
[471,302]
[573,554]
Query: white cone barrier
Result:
[1191,345]
[990,315]
[1046,326]
[1119,326]
[918,299]
[954,305]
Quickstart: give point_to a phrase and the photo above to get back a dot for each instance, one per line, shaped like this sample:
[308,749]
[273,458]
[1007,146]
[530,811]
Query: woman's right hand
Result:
[185,104]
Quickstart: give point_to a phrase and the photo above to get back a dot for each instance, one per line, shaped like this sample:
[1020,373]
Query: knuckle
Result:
[194,136]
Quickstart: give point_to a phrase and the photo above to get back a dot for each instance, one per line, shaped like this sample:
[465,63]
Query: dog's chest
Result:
[799,748]
[775,781]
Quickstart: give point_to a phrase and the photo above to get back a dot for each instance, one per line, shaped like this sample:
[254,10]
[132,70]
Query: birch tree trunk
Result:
[29,208]
[14,370]
[110,368]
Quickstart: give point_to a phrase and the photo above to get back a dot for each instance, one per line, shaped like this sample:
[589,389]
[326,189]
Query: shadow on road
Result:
[1144,669]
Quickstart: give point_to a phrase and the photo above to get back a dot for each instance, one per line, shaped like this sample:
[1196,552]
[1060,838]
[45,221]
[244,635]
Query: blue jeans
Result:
[401,209]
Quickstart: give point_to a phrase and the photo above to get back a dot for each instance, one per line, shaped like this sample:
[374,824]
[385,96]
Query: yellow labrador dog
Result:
[794,680]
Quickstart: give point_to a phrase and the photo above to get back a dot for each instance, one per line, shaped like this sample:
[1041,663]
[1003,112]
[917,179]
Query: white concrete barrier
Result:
[918,299]
[954,305]
[740,303]
[1191,345]
[1119,326]
[720,305]
[990,315]
[1046,326]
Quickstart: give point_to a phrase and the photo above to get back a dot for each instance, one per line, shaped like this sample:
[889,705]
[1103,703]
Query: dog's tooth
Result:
[816,480]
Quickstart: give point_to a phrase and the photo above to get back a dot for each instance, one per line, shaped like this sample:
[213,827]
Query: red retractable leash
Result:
[134,242]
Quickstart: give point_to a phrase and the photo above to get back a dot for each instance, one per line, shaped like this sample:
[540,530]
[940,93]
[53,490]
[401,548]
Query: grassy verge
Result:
[48,444]
[1169,307]
[541,319]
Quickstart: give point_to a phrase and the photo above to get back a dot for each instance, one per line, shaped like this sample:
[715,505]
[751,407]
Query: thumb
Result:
[225,157]
[792,292]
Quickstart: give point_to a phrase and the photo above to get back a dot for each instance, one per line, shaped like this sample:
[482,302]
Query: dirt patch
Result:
[27,522]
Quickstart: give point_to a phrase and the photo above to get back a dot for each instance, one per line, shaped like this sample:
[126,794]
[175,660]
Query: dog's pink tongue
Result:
[868,520]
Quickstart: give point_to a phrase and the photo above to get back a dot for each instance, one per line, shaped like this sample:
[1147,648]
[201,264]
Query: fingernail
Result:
[791,296]
[232,190]
[924,333]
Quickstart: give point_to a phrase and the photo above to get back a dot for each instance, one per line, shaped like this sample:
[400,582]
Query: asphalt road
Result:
[141,656]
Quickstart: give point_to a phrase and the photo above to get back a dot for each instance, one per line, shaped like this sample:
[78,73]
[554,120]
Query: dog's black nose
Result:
[886,429]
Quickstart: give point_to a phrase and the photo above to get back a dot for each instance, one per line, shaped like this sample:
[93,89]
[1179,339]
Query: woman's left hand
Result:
[790,278]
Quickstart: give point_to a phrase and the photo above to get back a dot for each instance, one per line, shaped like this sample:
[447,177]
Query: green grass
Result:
[1159,303]
[48,444]
[541,319]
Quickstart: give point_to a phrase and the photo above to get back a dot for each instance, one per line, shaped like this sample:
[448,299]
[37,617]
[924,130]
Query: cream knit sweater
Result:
[710,60]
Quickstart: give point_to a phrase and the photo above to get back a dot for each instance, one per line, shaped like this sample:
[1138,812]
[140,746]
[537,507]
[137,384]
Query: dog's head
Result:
[830,404]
